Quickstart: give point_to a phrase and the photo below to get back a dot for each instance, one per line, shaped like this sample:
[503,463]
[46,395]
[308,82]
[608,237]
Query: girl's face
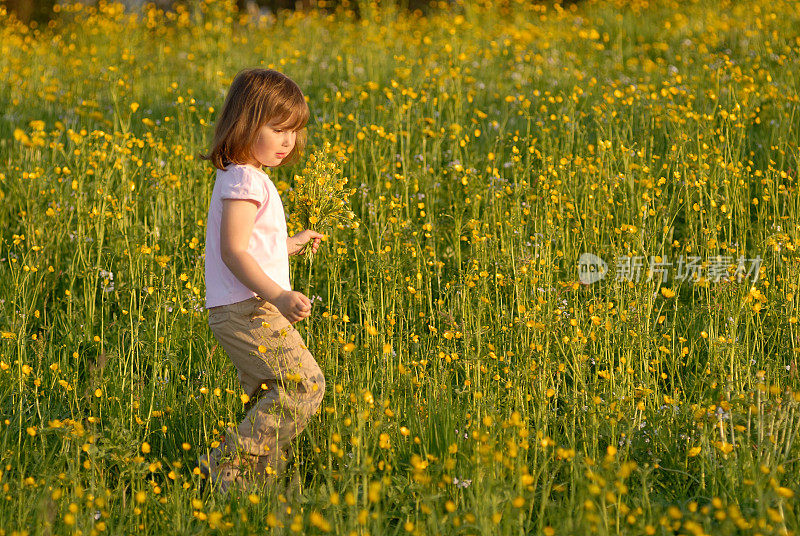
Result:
[272,145]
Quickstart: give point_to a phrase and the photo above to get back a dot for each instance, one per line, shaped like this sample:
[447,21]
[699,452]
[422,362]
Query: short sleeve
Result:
[240,183]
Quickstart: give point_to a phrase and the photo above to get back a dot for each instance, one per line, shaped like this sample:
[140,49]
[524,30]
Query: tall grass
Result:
[475,385]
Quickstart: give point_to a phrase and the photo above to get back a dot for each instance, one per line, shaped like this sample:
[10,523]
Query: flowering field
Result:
[483,377]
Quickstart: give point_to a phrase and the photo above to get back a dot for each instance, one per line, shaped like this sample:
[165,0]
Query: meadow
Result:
[475,385]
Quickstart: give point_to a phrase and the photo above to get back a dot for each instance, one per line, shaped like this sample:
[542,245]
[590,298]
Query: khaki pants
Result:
[279,375]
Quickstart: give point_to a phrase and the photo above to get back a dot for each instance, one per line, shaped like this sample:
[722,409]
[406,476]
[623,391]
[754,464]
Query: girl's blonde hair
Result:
[257,97]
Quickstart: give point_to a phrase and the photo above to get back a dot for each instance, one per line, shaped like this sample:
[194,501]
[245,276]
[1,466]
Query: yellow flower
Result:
[21,137]
[320,522]
[320,197]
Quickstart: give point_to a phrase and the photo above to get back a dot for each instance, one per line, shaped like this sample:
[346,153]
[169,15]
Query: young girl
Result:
[250,301]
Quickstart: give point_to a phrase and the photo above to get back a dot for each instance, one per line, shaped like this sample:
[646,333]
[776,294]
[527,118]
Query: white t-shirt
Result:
[267,241]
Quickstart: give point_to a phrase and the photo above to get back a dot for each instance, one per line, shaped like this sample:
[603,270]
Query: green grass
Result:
[488,391]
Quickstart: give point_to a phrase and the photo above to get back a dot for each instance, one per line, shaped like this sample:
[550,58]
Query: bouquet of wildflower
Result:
[320,197]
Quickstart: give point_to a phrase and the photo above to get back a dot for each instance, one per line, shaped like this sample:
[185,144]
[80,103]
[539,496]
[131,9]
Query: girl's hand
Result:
[293,305]
[295,243]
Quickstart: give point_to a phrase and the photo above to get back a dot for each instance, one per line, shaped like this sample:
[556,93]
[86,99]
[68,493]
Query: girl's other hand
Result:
[293,305]
[297,241]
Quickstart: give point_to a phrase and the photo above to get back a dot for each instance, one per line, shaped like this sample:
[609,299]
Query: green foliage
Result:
[475,385]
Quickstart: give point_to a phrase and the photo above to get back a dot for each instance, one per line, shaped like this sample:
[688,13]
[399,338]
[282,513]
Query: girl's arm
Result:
[238,218]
